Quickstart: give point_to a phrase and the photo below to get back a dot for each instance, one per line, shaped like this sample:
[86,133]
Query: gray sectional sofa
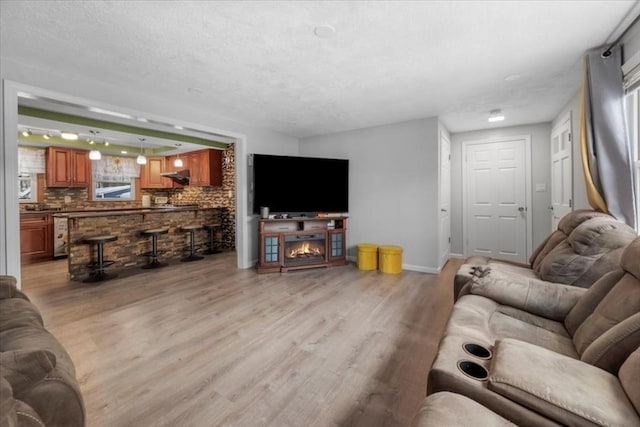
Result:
[532,352]
[38,385]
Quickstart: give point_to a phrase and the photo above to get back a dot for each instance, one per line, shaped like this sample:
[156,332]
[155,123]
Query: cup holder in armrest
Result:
[477,350]
[473,370]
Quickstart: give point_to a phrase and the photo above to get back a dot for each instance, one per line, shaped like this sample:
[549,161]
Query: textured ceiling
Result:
[388,61]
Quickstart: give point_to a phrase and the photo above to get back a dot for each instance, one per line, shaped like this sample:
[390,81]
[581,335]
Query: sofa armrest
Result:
[9,289]
[566,390]
[546,299]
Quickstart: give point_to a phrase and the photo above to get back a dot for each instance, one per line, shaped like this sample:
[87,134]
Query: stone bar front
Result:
[126,225]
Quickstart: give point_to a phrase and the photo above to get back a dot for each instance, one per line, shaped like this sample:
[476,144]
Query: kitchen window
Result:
[114,178]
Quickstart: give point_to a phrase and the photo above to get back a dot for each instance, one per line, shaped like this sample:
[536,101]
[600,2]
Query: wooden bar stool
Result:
[153,253]
[98,273]
[212,244]
[193,256]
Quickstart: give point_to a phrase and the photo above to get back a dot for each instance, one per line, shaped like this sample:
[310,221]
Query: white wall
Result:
[540,170]
[128,100]
[393,186]
[573,108]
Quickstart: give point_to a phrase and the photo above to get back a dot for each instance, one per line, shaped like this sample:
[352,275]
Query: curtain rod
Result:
[607,52]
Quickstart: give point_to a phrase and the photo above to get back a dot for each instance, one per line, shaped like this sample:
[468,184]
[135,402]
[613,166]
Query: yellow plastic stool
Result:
[390,259]
[367,256]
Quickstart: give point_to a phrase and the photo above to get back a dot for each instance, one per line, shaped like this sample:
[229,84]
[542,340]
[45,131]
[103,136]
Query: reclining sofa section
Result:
[567,330]
[586,245]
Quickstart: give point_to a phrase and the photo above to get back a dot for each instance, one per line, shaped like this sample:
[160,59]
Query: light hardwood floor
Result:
[206,344]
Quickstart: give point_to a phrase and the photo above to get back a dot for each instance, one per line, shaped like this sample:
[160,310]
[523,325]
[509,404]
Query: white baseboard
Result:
[460,256]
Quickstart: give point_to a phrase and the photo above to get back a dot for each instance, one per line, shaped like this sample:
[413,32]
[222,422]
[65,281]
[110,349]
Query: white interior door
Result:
[561,172]
[445,199]
[495,194]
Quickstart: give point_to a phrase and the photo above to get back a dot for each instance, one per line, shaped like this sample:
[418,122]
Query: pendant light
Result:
[94,154]
[178,161]
[141,159]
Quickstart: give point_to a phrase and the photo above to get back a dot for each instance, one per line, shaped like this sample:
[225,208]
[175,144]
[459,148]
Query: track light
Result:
[70,136]
[26,132]
[47,136]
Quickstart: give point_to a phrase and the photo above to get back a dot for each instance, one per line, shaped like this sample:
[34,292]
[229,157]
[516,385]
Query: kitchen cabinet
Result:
[36,237]
[205,167]
[150,174]
[67,167]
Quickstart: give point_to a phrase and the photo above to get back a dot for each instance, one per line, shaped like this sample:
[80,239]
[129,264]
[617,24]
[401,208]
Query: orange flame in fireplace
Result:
[304,249]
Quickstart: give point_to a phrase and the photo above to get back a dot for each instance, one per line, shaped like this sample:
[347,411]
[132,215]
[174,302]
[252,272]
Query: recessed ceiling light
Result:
[495,116]
[325,31]
[70,136]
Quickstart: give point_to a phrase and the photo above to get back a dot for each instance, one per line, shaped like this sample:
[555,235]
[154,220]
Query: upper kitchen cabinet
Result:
[67,167]
[204,166]
[150,174]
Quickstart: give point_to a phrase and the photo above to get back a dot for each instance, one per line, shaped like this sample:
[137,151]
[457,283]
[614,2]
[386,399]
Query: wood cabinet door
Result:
[212,168]
[81,168]
[150,174]
[337,245]
[36,239]
[58,167]
[194,161]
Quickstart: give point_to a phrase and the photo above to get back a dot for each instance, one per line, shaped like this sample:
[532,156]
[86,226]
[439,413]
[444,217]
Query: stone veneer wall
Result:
[127,251]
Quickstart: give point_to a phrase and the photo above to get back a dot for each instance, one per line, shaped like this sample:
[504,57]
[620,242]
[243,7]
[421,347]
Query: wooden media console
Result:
[295,243]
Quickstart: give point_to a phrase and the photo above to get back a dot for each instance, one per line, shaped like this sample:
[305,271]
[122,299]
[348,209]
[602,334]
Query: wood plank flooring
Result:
[206,344]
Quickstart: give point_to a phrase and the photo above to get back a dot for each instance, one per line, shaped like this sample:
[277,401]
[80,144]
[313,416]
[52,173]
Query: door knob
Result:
[521,209]
[443,210]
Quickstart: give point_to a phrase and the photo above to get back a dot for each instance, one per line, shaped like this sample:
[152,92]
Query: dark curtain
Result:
[605,144]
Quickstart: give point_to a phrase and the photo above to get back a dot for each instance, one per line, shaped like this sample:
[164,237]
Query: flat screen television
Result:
[300,185]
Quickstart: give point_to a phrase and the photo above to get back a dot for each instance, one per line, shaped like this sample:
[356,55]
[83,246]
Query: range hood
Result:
[181,177]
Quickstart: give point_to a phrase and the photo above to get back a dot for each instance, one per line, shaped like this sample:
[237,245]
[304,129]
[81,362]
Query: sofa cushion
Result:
[591,250]
[629,376]
[13,412]
[451,409]
[17,313]
[590,300]
[546,299]
[630,261]
[566,390]
[553,240]
[486,321]
[24,368]
[622,302]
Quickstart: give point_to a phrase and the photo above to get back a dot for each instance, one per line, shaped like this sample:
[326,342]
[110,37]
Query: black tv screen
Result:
[300,185]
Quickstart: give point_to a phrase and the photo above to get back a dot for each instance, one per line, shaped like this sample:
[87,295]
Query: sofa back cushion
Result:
[629,376]
[592,249]
[589,301]
[565,227]
[612,331]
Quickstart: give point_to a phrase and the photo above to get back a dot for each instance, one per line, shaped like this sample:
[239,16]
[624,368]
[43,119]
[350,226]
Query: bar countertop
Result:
[130,211]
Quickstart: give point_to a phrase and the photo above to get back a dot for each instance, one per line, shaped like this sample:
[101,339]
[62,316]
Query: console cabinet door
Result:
[270,250]
[337,248]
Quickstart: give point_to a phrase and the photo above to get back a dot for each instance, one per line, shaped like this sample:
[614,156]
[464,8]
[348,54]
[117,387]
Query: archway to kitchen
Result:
[12,92]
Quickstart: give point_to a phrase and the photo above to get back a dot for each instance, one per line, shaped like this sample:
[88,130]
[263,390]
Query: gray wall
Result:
[393,186]
[540,170]
[136,101]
